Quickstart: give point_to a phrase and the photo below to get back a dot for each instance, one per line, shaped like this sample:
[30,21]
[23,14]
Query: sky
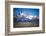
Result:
[29,11]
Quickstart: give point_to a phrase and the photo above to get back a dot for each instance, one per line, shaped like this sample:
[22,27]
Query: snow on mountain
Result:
[29,16]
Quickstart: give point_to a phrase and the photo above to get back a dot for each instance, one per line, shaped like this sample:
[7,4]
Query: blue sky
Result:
[29,11]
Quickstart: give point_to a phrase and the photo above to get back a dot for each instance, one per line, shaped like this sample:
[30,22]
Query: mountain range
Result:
[25,18]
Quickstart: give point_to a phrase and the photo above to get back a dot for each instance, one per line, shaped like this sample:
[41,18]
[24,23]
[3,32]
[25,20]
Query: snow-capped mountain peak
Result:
[27,16]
